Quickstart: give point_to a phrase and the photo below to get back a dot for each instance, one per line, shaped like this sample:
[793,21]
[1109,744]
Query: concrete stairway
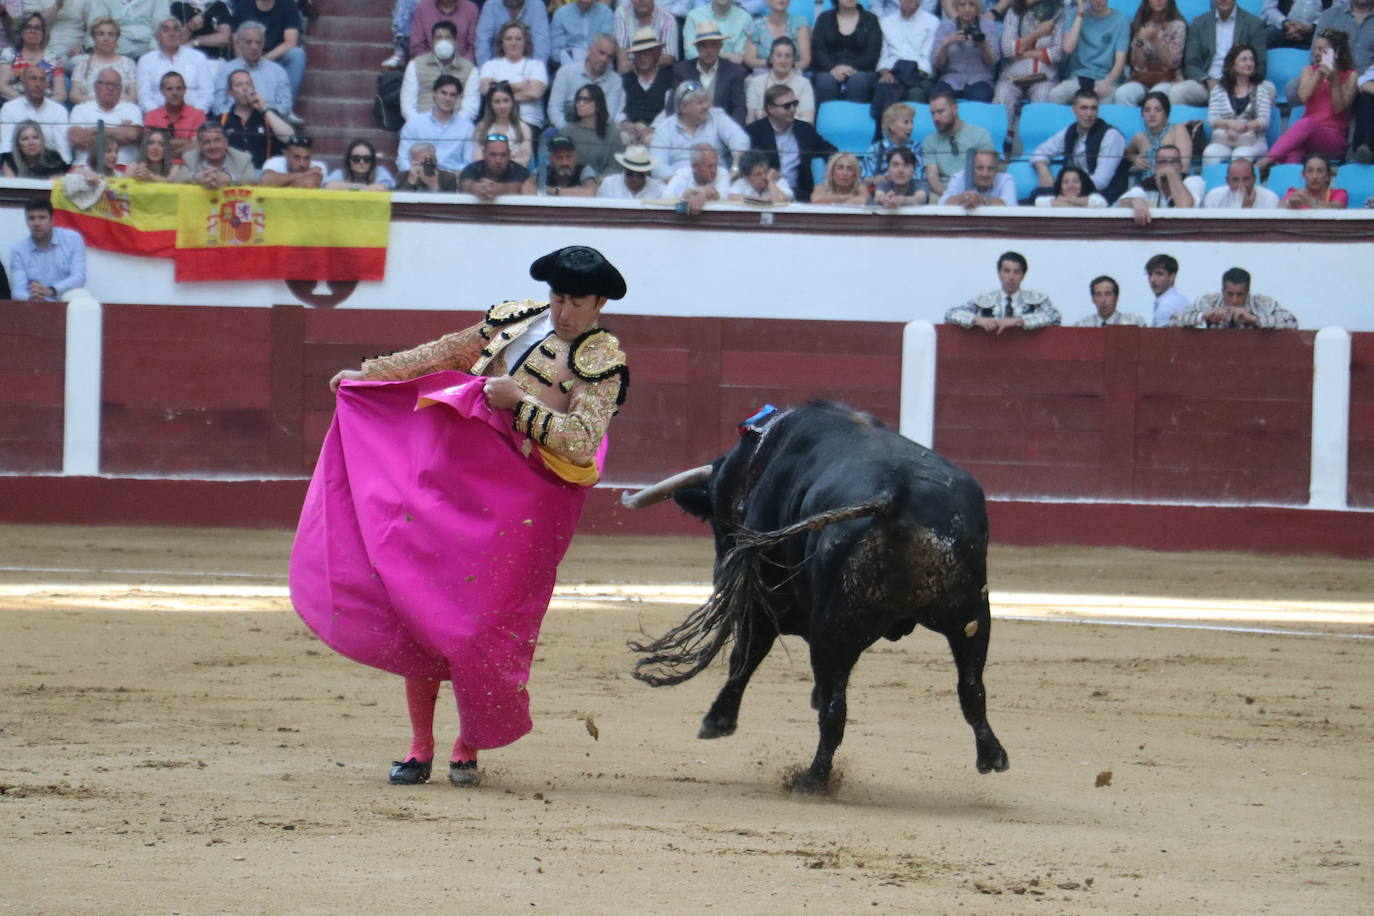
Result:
[345,48]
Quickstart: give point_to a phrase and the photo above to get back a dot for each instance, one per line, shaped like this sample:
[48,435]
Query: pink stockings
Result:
[1305,136]
[421,695]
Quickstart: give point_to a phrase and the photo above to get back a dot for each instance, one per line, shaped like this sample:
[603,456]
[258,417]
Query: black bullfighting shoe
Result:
[410,772]
[464,774]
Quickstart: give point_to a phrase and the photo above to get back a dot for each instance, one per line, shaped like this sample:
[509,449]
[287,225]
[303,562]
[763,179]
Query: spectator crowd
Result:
[524,97]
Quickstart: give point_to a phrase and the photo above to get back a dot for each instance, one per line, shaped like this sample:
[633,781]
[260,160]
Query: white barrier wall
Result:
[782,274]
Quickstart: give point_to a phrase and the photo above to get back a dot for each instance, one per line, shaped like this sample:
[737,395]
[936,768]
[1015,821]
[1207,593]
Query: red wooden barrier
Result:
[33,358]
[1361,471]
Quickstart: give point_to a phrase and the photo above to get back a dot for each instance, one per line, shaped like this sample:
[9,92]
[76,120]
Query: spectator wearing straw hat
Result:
[637,15]
[646,86]
[635,182]
[722,79]
[731,21]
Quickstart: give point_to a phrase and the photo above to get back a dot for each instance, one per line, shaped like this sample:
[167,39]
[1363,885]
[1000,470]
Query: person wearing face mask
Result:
[443,59]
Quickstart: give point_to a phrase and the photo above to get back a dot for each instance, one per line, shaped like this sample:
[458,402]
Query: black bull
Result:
[831,527]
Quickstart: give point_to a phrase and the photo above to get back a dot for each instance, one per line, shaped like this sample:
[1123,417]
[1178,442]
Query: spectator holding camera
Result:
[424,175]
[967,48]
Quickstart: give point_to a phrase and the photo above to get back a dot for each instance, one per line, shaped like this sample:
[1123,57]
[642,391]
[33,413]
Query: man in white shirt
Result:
[990,187]
[594,69]
[1105,292]
[171,54]
[34,105]
[294,169]
[123,120]
[695,122]
[635,183]
[1166,188]
[1241,192]
[1161,271]
[700,181]
[1089,143]
[904,68]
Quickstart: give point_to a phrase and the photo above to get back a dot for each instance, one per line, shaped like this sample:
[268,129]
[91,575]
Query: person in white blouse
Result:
[170,54]
[512,61]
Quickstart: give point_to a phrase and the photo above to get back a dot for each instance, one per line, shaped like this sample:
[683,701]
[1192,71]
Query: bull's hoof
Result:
[712,727]
[997,760]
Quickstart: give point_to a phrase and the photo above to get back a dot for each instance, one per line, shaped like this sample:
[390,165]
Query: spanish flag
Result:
[253,233]
[133,217]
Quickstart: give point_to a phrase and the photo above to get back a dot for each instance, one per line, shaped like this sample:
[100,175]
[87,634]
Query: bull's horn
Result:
[665,488]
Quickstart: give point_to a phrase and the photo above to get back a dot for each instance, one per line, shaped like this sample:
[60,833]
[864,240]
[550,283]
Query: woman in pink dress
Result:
[1316,192]
[1328,90]
[445,496]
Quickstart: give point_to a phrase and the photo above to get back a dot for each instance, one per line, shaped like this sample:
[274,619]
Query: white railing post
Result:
[1330,419]
[917,417]
[81,414]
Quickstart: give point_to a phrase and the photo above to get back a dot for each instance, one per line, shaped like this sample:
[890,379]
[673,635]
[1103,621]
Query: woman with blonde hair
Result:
[31,157]
[86,67]
[842,184]
[512,61]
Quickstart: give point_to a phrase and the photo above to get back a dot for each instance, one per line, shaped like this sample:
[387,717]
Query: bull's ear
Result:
[696,500]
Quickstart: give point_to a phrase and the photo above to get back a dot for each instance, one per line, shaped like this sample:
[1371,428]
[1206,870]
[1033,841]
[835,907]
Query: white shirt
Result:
[1226,36]
[613,188]
[1003,187]
[745,189]
[194,69]
[1223,198]
[1168,304]
[89,114]
[278,164]
[51,117]
[672,145]
[908,39]
[682,180]
[1109,153]
[499,69]
[1193,183]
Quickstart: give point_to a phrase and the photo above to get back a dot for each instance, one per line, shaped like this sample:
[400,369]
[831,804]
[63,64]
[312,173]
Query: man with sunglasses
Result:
[294,169]
[594,69]
[495,173]
[791,145]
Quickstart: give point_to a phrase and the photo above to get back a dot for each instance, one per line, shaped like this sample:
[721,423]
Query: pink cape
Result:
[428,544]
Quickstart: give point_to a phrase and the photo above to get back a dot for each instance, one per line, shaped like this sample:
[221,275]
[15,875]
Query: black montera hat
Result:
[579,271]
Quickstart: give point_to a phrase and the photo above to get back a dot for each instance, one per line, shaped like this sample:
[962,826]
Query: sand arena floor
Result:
[173,740]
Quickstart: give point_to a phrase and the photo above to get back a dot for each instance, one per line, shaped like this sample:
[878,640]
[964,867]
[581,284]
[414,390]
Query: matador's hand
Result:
[502,392]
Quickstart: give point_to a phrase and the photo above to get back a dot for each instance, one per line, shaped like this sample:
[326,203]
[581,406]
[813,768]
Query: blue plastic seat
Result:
[1191,9]
[1182,114]
[803,8]
[848,125]
[1126,8]
[1284,176]
[1356,180]
[1275,125]
[989,116]
[1023,173]
[1125,118]
[1040,121]
[923,125]
[1283,65]
[1214,176]
[1252,7]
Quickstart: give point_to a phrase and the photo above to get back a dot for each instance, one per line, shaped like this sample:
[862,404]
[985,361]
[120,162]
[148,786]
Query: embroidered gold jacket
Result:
[571,389]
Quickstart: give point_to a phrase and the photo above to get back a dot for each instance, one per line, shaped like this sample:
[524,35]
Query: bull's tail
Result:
[688,648]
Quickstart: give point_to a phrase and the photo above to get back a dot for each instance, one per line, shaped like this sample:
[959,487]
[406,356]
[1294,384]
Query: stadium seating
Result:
[1182,114]
[1214,176]
[1284,64]
[924,125]
[1125,118]
[1356,180]
[1191,9]
[1023,173]
[803,8]
[1040,121]
[847,125]
[1276,123]
[1284,176]
[1251,6]
[989,116]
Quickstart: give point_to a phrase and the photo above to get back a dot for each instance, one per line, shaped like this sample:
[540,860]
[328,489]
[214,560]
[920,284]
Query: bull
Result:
[829,526]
